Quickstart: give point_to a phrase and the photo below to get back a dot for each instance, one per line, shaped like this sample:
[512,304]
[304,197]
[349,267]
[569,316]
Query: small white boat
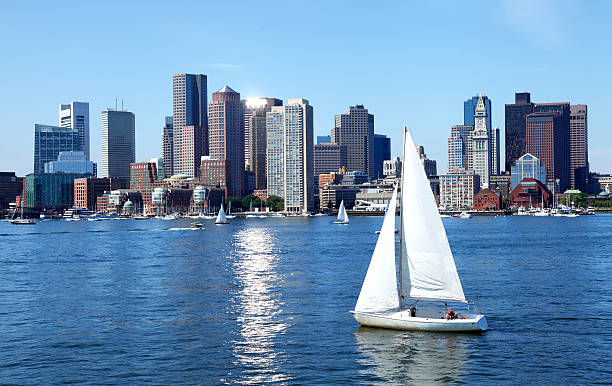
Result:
[170,217]
[465,215]
[342,216]
[21,220]
[427,270]
[221,217]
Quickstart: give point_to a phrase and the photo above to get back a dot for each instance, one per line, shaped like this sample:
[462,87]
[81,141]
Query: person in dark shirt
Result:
[451,314]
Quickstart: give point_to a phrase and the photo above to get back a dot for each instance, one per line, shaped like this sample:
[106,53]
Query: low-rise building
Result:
[392,167]
[329,178]
[530,193]
[52,191]
[354,178]
[330,196]
[487,199]
[143,179]
[457,189]
[87,190]
[500,184]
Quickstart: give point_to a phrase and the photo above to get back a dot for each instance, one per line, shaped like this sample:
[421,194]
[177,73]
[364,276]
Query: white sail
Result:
[221,216]
[342,216]
[425,249]
[379,289]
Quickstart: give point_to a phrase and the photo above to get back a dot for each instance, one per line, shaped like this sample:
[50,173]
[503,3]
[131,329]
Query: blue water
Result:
[267,300]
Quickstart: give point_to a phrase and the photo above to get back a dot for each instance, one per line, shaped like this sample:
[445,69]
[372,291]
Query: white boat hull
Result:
[403,321]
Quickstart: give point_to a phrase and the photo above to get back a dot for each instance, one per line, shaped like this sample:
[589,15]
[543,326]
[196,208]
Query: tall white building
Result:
[289,150]
[118,143]
[481,151]
[76,116]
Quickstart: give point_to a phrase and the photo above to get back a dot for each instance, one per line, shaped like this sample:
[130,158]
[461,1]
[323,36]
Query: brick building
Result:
[486,199]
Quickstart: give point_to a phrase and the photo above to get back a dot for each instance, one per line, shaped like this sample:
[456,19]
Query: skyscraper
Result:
[290,154]
[469,108]
[516,135]
[76,116]
[480,148]
[189,104]
[190,150]
[429,165]
[548,139]
[328,157]
[255,142]
[460,144]
[579,149]
[167,143]
[495,151]
[49,141]
[355,130]
[226,136]
[249,107]
[118,143]
[382,153]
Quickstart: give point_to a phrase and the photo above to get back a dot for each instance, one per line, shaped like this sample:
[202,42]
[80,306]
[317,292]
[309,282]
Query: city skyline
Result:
[402,87]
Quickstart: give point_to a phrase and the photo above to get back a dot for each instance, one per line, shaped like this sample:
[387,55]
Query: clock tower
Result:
[480,144]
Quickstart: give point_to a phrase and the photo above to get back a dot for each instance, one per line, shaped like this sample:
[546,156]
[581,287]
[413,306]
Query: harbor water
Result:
[268,300]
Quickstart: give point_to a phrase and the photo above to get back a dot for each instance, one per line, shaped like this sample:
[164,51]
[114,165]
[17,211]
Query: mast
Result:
[401,230]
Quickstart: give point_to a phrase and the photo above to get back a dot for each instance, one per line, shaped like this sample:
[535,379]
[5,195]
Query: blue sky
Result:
[409,63]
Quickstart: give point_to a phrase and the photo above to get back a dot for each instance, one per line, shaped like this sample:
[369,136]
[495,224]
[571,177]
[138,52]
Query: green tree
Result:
[275,203]
[236,203]
[246,201]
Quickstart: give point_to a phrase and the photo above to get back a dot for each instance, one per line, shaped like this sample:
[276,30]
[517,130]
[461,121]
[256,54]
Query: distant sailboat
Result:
[221,218]
[342,216]
[426,266]
[21,220]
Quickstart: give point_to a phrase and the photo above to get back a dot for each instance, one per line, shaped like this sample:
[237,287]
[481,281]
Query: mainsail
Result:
[342,216]
[221,216]
[379,289]
[427,266]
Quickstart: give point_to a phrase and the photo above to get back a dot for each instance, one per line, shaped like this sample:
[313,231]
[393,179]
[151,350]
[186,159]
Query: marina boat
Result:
[21,220]
[390,297]
[465,215]
[276,215]
[197,225]
[342,216]
[170,217]
[221,217]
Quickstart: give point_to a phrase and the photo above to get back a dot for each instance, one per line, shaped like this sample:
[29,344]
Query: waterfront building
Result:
[374,199]
[117,200]
[323,139]
[527,166]
[290,169]
[189,108]
[428,164]
[382,152]
[500,184]
[190,149]
[118,143]
[548,139]
[214,173]
[167,150]
[330,196]
[76,116]
[255,142]
[51,190]
[530,193]
[71,162]
[226,136]
[469,111]
[49,141]
[487,199]
[328,157]
[457,189]
[159,166]
[579,149]
[354,178]
[11,186]
[143,179]
[481,145]
[355,130]
[460,143]
[515,125]
[392,167]
[87,190]
[605,182]
[102,203]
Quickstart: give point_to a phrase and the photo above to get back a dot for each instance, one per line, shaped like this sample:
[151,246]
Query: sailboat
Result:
[342,216]
[21,220]
[221,218]
[427,271]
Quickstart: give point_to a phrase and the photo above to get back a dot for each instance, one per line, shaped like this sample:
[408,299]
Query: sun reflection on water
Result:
[258,305]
